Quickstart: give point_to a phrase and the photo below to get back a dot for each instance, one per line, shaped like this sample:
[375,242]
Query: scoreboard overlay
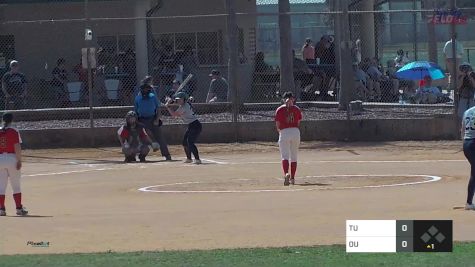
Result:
[399,236]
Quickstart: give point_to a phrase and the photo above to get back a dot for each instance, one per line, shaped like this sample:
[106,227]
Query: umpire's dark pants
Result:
[156,131]
[191,135]
[469,151]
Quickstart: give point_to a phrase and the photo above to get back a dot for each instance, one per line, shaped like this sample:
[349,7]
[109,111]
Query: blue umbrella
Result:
[417,70]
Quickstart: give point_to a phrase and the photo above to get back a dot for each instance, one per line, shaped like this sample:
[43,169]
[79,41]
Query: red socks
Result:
[285,166]
[17,198]
[2,201]
[293,169]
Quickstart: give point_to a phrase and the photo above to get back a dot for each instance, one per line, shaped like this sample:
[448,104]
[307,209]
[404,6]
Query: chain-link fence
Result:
[82,63]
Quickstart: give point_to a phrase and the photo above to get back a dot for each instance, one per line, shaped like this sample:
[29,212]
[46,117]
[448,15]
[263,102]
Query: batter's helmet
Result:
[181,95]
[131,114]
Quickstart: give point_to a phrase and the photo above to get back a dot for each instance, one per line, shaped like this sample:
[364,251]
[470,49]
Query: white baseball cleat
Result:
[3,213]
[188,161]
[469,207]
[21,212]
[197,161]
[286,179]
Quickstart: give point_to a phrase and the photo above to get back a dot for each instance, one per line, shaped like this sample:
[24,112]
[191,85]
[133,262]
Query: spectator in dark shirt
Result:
[59,82]
[190,66]
[325,55]
[14,86]
[218,88]
[260,64]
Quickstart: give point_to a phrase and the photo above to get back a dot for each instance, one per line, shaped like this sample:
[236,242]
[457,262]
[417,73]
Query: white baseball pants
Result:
[289,141]
[8,170]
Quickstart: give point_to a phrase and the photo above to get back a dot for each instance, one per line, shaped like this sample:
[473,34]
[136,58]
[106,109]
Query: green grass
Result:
[463,255]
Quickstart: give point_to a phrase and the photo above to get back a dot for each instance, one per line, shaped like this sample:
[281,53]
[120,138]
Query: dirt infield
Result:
[87,200]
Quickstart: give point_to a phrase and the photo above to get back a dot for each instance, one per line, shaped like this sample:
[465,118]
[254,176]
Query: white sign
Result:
[88,35]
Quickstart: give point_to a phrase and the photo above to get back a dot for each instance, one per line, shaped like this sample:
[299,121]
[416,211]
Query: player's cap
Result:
[181,95]
[131,114]
[215,72]
[14,63]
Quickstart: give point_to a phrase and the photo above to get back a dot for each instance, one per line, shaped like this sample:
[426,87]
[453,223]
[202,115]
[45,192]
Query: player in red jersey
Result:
[10,164]
[287,121]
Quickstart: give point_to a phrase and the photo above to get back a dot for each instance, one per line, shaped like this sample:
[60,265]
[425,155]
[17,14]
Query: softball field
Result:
[87,200]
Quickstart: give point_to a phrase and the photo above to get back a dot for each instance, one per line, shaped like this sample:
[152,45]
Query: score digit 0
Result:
[404,228]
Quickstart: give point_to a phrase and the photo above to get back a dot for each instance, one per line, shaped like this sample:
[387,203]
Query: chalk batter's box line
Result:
[231,163]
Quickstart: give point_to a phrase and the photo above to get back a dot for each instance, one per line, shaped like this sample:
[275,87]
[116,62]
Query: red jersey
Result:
[139,132]
[9,137]
[288,117]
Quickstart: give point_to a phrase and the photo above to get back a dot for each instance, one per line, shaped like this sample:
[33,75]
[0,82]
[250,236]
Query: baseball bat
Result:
[182,85]
[185,82]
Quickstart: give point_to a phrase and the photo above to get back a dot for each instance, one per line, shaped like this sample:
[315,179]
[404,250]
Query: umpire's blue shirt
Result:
[146,107]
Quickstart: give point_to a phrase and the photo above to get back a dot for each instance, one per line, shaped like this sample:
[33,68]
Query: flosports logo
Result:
[42,244]
[450,16]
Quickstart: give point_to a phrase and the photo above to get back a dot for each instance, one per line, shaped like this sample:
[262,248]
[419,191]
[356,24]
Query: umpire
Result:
[147,108]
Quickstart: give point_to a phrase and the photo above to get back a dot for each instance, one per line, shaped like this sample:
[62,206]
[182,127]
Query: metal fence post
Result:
[453,33]
[431,36]
[232,40]
[346,68]
[89,72]
[416,48]
[285,37]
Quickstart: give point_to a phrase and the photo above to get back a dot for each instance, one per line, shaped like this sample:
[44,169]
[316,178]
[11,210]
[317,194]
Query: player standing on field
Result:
[185,111]
[468,131]
[287,121]
[10,164]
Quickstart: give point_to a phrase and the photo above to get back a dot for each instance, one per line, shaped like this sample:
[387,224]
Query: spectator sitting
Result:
[371,68]
[260,64]
[308,52]
[381,81]
[218,88]
[80,72]
[428,94]
[60,80]
[362,82]
[401,59]
[325,55]
[303,75]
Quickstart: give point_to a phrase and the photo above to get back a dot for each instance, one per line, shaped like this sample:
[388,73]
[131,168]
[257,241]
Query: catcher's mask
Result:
[131,115]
